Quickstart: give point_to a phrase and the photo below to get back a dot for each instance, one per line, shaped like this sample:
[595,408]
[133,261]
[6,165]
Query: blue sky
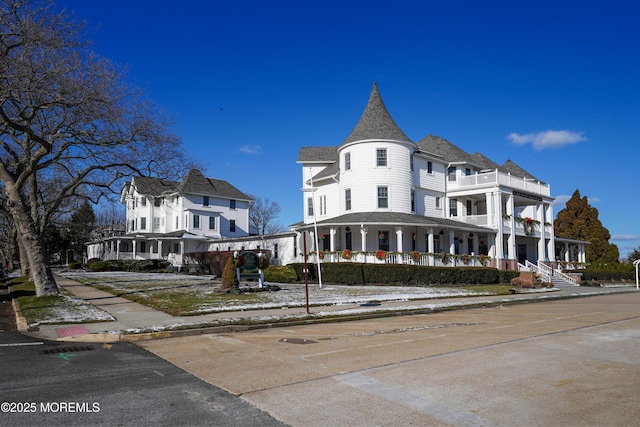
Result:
[552,85]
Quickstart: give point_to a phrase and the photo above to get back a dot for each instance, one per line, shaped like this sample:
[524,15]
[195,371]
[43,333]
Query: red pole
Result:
[306,270]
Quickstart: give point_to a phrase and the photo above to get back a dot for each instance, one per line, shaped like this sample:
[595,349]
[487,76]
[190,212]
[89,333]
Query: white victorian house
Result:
[380,192]
[166,219]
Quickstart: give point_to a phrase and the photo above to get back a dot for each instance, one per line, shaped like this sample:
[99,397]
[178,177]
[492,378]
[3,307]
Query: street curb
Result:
[21,320]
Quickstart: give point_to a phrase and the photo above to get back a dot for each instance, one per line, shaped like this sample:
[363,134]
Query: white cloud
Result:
[547,139]
[251,149]
[561,201]
[625,237]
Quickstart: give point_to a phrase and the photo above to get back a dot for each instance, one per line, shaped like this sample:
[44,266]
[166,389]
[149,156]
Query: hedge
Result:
[348,273]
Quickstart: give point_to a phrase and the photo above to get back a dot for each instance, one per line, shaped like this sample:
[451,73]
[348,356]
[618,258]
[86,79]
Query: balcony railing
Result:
[506,179]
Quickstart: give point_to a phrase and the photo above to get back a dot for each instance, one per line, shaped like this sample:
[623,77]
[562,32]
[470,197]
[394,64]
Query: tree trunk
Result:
[40,272]
[24,261]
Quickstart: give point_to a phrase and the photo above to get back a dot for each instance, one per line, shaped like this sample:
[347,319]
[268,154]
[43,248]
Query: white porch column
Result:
[118,249]
[452,242]
[512,237]
[582,257]
[551,243]
[332,243]
[492,214]
[566,252]
[476,244]
[542,255]
[399,235]
[363,238]
[499,238]
[160,249]
[134,248]
[332,239]
[430,246]
[573,252]
[312,235]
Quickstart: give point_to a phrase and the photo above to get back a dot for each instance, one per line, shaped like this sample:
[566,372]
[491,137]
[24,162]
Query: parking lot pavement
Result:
[564,362]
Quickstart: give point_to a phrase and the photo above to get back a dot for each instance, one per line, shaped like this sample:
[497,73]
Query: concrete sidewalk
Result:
[135,322]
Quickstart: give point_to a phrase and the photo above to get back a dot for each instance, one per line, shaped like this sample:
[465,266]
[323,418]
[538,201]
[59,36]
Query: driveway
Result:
[565,362]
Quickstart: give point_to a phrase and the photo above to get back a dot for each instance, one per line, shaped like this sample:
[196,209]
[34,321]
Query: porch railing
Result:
[501,178]
[408,258]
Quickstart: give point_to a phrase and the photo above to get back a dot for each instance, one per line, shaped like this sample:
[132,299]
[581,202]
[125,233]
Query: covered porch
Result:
[385,237]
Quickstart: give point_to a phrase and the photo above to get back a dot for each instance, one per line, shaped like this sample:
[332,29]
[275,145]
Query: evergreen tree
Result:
[578,220]
[634,255]
[80,227]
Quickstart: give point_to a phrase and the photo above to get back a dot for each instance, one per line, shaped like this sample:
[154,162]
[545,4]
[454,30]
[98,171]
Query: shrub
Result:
[280,274]
[229,278]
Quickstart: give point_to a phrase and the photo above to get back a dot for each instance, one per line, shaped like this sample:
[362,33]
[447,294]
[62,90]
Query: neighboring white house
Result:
[166,219]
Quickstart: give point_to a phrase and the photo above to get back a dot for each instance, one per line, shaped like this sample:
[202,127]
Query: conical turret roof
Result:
[376,122]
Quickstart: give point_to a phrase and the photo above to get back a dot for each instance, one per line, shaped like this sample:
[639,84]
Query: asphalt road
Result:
[573,362]
[62,384]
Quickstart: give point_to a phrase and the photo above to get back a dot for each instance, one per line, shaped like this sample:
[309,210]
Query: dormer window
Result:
[232,204]
[205,200]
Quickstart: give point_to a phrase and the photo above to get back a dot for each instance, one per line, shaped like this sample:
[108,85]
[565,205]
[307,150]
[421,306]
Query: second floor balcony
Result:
[489,179]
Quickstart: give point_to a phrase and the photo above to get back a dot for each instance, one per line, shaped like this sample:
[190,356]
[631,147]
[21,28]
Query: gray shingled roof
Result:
[514,169]
[391,218]
[193,183]
[485,161]
[322,154]
[447,150]
[376,122]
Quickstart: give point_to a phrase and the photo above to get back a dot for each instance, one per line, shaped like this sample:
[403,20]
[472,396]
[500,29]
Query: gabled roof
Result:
[322,154]
[485,161]
[376,122]
[193,183]
[514,169]
[445,149]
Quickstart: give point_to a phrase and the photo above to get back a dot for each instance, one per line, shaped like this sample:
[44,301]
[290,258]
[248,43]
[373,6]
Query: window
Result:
[467,171]
[156,223]
[452,173]
[429,167]
[383,197]
[309,206]
[347,161]
[411,162]
[143,223]
[143,201]
[232,204]
[196,221]
[232,226]
[437,247]
[323,205]
[469,210]
[347,199]
[437,202]
[157,202]
[143,247]
[212,223]
[177,222]
[381,157]
[413,201]
[453,207]
[205,200]
[275,250]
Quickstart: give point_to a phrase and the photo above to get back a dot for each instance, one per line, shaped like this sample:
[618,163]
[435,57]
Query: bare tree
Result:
[262,215]
[70,125]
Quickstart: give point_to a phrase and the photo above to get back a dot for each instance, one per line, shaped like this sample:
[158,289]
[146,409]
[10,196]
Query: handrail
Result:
[533,267]
[565,277]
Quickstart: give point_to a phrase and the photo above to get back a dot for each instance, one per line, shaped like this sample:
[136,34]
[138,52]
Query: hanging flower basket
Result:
[346,254]
[381,255]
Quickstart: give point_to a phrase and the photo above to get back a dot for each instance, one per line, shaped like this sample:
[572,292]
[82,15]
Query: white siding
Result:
[365,176]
